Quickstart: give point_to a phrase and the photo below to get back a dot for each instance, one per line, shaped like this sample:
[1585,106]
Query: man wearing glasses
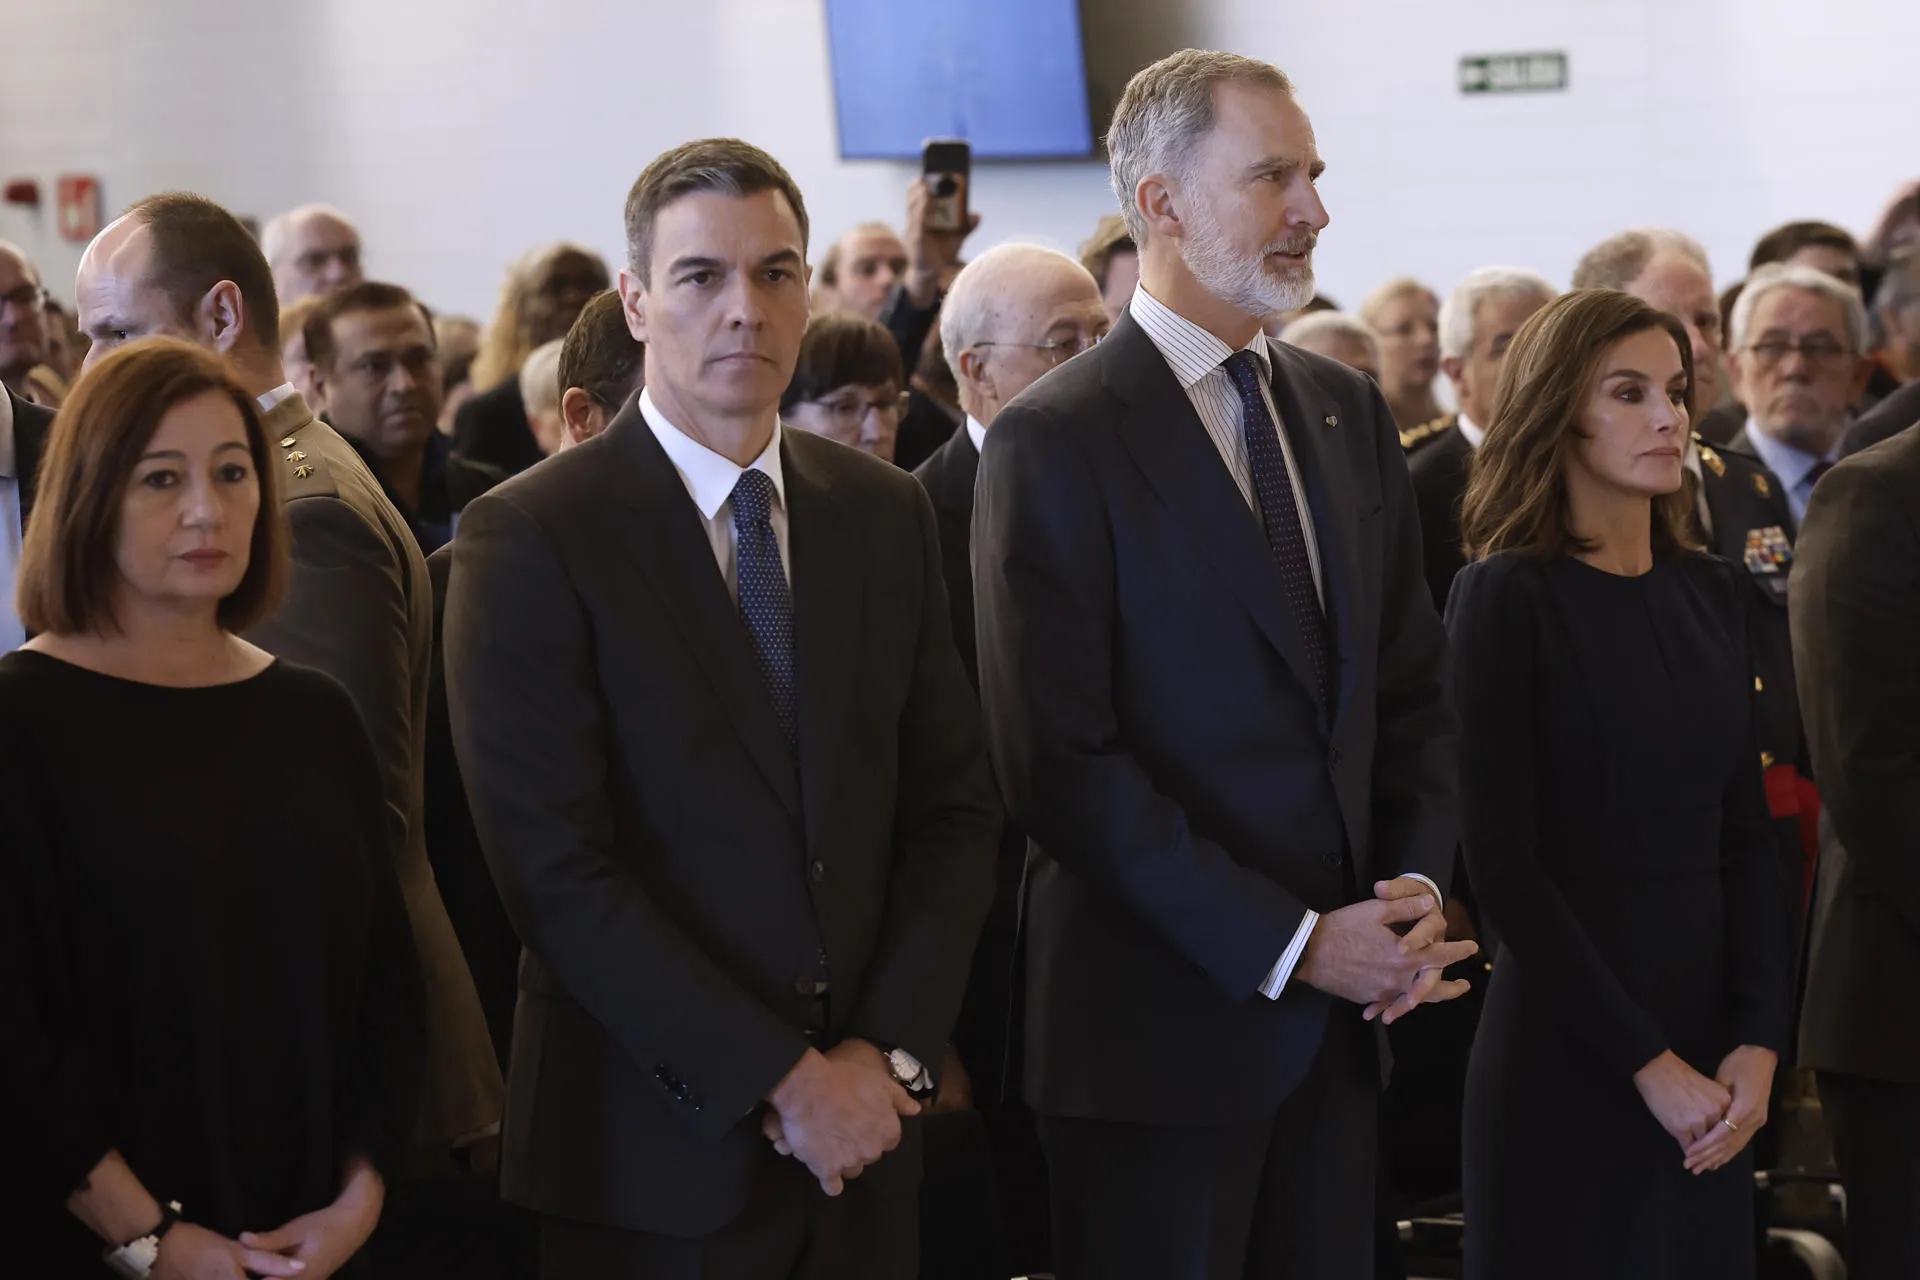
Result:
[23,321]
[1799,342]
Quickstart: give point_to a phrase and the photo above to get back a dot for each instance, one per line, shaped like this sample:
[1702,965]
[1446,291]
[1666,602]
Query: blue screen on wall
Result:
[1007,75]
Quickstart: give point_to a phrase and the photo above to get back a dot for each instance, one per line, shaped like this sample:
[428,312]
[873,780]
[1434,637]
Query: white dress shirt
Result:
[12,634]
[710,479]
[1475,434]
[1197,358]
[274,398]
[977,434]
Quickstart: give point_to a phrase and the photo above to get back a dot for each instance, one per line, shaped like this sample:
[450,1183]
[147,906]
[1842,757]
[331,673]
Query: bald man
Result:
[1013,315]
[23,319]
[313,250]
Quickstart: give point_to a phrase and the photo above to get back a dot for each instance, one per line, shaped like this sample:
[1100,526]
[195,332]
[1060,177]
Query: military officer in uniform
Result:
[358,605]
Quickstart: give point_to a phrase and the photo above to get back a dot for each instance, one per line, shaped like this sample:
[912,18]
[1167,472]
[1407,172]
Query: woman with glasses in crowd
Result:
[849,385]
[210,987]
[1614,822]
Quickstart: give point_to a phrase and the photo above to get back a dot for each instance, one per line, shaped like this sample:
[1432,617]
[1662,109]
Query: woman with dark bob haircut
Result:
[849,385]
[1615,824]
[209,983]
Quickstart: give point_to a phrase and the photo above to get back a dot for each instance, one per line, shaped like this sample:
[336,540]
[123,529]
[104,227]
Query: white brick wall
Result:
[462,133]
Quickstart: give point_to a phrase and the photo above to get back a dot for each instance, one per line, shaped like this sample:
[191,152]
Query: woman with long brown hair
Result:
[209,993]
[1615,824]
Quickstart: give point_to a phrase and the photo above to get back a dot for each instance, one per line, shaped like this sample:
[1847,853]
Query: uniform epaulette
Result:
[1413,437]
[303,473]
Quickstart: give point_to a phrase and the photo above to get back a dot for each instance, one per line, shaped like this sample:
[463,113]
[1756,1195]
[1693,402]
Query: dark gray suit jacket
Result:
[680,886]
[1151,713]
[1855,608]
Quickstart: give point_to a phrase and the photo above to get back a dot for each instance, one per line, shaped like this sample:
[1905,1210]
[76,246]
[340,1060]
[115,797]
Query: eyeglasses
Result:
[1818,349]
[1054,353]
[26,298]
[850,408]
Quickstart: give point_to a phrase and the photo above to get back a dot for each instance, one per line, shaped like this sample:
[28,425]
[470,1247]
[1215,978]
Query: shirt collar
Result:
[709,477]
[977,434]
[276,397]
[1475,434]
[7,454]
[1788,463]
[1190,351]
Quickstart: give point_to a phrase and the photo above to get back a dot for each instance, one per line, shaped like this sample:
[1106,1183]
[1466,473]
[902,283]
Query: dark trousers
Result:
[789,1230]
[1876,1142]
[1288,1195]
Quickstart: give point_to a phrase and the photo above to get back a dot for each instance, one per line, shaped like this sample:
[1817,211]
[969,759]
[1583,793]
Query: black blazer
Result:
[1884,421]
[492,428]
[1151,713]
[948,479]
[32,424]
[1439,472]
[684,892]
[1856,628]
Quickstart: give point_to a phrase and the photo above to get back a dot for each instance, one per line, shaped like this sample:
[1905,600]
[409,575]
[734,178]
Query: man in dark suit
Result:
[358,605]
[730,779]
[1212,673]
[1477,322]
[1014,313]
[1856,629]
[24,426]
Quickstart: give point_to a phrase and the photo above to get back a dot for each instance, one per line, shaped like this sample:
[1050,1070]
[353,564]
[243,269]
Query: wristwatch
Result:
[135,1259]
[914,1078]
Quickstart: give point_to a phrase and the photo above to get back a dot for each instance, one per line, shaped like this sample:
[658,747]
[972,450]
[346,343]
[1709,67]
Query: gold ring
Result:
[1731,1126]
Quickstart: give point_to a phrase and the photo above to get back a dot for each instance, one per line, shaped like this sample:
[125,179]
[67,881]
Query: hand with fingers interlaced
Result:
[1355,953]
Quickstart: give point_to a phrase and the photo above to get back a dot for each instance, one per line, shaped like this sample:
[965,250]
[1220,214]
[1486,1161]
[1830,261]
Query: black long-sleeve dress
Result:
[205,961]
[1616,829]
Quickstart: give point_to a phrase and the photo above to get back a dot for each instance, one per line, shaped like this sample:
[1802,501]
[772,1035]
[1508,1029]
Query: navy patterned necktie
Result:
[1286,537]
[766,603]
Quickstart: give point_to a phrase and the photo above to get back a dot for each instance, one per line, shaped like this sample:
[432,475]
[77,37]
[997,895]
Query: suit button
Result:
[819,872]
[1331,859]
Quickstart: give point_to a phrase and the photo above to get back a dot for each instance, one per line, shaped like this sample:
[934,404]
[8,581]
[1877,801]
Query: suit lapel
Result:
[1312,426]
[825,550]
[677,558]
[1182,466]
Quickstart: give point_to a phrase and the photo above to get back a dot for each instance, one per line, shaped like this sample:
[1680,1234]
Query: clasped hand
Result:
[1354,953]
[1712,1120]
[837,1112]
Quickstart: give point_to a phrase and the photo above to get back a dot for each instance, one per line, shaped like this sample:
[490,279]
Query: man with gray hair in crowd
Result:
[1897,303]
[314,249]
[1799,363]
[1669,269]
[1337,336]
[1477,323]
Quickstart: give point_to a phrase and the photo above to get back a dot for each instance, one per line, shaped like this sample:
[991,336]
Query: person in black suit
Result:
[730,780]
[1884,421]
[24,427]
[1856,628]
[543,295]
[1213,683]
[1477,322]
[1015,313]
[1615,825]
[1898,306]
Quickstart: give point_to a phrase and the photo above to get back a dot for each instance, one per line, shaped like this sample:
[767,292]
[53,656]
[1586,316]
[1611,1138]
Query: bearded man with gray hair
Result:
[1212,675]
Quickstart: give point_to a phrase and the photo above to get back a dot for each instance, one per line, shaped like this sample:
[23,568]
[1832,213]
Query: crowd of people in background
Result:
[265,955]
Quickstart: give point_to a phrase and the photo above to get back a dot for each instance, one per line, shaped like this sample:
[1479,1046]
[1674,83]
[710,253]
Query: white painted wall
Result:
[462,132]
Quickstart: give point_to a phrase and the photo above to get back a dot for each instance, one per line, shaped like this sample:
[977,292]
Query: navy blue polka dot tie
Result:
[766,603]
[1286,538]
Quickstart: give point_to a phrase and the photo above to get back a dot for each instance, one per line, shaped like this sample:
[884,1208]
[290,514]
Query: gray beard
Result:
[1242,283]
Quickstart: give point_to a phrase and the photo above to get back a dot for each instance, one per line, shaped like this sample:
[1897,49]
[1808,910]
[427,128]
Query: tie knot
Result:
[753,497]
[1244,368]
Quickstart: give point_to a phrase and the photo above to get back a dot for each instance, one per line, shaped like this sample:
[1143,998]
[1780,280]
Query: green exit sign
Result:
[1513,73]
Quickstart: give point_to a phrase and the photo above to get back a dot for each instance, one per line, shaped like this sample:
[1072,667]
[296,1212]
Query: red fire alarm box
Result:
[79,207]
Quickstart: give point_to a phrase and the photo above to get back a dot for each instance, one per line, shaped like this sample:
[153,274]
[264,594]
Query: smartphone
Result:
[947,164]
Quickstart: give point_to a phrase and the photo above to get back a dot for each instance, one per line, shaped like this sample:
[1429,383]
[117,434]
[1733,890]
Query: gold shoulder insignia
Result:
[1413,437]
[1711,460]
[1760,485]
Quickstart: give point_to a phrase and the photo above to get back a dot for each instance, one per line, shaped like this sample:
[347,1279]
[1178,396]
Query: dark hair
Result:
[841,351]
[1783,242]
[724,165]
[368,295]
[196,245]
[67,563]
[1516,495]
[1110,236]
[1319,302]
[601,356]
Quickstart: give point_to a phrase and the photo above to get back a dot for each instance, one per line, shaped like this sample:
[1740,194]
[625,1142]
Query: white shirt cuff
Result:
[1439,899]
[1283,968]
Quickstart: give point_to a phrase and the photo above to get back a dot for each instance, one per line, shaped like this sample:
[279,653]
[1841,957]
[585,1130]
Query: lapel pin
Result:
[1761,487]
[1332,420]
